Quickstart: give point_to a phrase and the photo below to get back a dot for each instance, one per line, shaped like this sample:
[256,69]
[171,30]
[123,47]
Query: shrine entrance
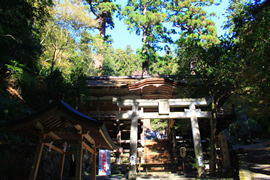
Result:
[136,100]
[167,109]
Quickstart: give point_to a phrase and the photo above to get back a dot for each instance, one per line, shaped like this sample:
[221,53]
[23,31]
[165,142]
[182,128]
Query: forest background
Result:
[48,48]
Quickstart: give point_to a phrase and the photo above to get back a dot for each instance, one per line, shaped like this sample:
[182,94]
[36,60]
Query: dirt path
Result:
[255,161]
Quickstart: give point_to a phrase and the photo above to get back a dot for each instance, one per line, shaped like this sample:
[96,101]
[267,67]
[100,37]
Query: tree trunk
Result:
[145,65]
[102,32]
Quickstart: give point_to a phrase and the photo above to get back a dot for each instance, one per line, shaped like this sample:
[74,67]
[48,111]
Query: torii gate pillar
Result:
[196,139]
[133,143]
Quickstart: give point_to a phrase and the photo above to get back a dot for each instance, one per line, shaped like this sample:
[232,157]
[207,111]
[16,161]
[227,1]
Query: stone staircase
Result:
[157,157]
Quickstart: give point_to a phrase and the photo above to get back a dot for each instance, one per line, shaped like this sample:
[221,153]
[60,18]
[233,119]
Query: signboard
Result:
[104,162]
[163,107]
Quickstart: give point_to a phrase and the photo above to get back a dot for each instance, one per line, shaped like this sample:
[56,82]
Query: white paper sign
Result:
[104,162]
[200,161]
[132,160]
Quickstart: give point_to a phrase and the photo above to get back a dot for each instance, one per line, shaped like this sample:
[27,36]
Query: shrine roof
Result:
[151,87]
[120,81]
[64,122]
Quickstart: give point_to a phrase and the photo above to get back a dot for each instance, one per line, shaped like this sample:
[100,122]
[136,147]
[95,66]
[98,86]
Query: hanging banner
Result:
[104,162]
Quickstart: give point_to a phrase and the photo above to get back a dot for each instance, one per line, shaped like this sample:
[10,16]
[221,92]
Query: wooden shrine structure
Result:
[59,127]
[126,104]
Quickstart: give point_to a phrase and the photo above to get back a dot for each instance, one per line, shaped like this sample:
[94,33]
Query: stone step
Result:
[161,176]
[154,167]
[156,152]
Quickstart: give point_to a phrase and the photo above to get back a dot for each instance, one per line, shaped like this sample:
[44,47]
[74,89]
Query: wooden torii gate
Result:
[164,112]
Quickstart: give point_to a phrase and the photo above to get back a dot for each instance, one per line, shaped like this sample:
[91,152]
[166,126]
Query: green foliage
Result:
[20,27]
[164,65]
[215,70]
[158,124]
[103,10]
[69,21]
[194,22]
[238,65]
[146,18]
[183,128]
[126,62]
[56,85]
[120,62]
[250,24]
[245,129]
[77,92]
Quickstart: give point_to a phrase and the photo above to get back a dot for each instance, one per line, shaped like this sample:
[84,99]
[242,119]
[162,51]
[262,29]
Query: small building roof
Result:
[62,123]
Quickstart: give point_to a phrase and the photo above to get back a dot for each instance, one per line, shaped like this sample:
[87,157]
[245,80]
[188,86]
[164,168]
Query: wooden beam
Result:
[171,115]
[94,165]
[89,138]
[61,141]
[154,102]
[53,135]
[79,154]
[128,141]
[60,129]
[35,166]
[79,128]
[105,138]
[61,167]
[39,126]
[54,148]
[88,148]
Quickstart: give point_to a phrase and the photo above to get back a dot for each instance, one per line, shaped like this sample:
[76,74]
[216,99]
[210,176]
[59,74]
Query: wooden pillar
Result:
[35,166]
[79,154]
[142,133]
[225,154]
[118,151]
[197,140]
[142,143]
[94,163]
[61,166]
[133,143]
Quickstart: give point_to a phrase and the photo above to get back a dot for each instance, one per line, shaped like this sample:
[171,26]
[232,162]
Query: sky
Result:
[122,37]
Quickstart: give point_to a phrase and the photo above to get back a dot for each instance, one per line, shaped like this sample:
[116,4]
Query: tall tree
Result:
[146,18]
[103,10]
[69,20]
